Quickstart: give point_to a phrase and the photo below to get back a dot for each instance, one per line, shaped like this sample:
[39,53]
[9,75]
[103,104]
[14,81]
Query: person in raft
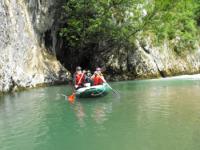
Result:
[97,78]
[88,80]
[79,78]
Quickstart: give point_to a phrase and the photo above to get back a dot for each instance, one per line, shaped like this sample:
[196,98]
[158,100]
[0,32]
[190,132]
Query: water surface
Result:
[150,115]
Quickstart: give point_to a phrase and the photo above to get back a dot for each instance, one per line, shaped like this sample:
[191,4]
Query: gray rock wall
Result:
[146,60]
[24,61]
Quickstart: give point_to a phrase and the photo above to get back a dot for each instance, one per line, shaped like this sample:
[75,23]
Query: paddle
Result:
[71,98]
[115,91]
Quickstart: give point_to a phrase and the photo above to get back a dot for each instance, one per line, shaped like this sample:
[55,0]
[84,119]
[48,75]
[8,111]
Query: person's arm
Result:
[84,78]
[102,78]
[92,77]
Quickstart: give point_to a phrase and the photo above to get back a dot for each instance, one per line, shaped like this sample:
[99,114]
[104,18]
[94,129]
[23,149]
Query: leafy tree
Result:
[89,22]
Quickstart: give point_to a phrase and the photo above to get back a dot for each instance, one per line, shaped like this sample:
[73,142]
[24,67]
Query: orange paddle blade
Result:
[71,98]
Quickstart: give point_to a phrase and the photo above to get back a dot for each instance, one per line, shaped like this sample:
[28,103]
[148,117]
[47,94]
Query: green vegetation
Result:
[177,21]
[89,22]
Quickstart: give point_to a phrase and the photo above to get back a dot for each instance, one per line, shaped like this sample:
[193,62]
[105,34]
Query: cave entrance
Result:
[85,63]
[70,59]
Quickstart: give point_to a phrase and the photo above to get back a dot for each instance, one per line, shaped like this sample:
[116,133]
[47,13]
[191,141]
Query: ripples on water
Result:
[151,114]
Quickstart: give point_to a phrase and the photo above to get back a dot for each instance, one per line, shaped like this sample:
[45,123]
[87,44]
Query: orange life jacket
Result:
[79,79]
[97,80]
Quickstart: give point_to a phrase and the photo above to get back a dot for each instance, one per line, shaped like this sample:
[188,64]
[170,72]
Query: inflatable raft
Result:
[93,91]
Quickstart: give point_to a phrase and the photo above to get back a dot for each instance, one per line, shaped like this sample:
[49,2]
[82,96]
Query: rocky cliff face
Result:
[146,60]
[24,60]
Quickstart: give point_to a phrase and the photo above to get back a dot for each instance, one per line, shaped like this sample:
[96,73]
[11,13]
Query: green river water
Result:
[150,115]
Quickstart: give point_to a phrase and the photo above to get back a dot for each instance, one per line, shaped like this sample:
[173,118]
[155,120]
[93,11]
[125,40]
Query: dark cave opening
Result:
[71,58]
[48,40]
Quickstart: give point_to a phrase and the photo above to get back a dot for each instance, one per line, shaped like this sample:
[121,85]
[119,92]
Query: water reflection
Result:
[98,112]
[101,112]
[80,114]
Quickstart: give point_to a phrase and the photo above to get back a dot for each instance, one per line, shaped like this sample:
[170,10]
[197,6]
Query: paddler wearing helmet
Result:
[97,77]
[79,78]
[88,80]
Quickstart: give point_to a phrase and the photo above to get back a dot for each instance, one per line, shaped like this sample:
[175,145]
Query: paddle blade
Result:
[71,98]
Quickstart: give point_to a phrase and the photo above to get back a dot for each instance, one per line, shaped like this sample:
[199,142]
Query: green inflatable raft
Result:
[93,91]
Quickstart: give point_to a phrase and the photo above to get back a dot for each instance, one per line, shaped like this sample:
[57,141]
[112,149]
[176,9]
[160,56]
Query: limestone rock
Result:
[146,60]
[24,61]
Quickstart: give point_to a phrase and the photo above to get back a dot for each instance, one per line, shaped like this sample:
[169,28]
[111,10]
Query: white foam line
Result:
[185,77]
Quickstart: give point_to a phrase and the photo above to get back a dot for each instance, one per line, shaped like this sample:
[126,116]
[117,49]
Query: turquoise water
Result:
[150,115]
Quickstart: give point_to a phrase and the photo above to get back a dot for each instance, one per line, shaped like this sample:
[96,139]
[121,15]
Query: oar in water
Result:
[71,98]
[115,91]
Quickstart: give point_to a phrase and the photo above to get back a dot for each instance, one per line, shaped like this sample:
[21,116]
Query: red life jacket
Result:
[79,79]
[97,80]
